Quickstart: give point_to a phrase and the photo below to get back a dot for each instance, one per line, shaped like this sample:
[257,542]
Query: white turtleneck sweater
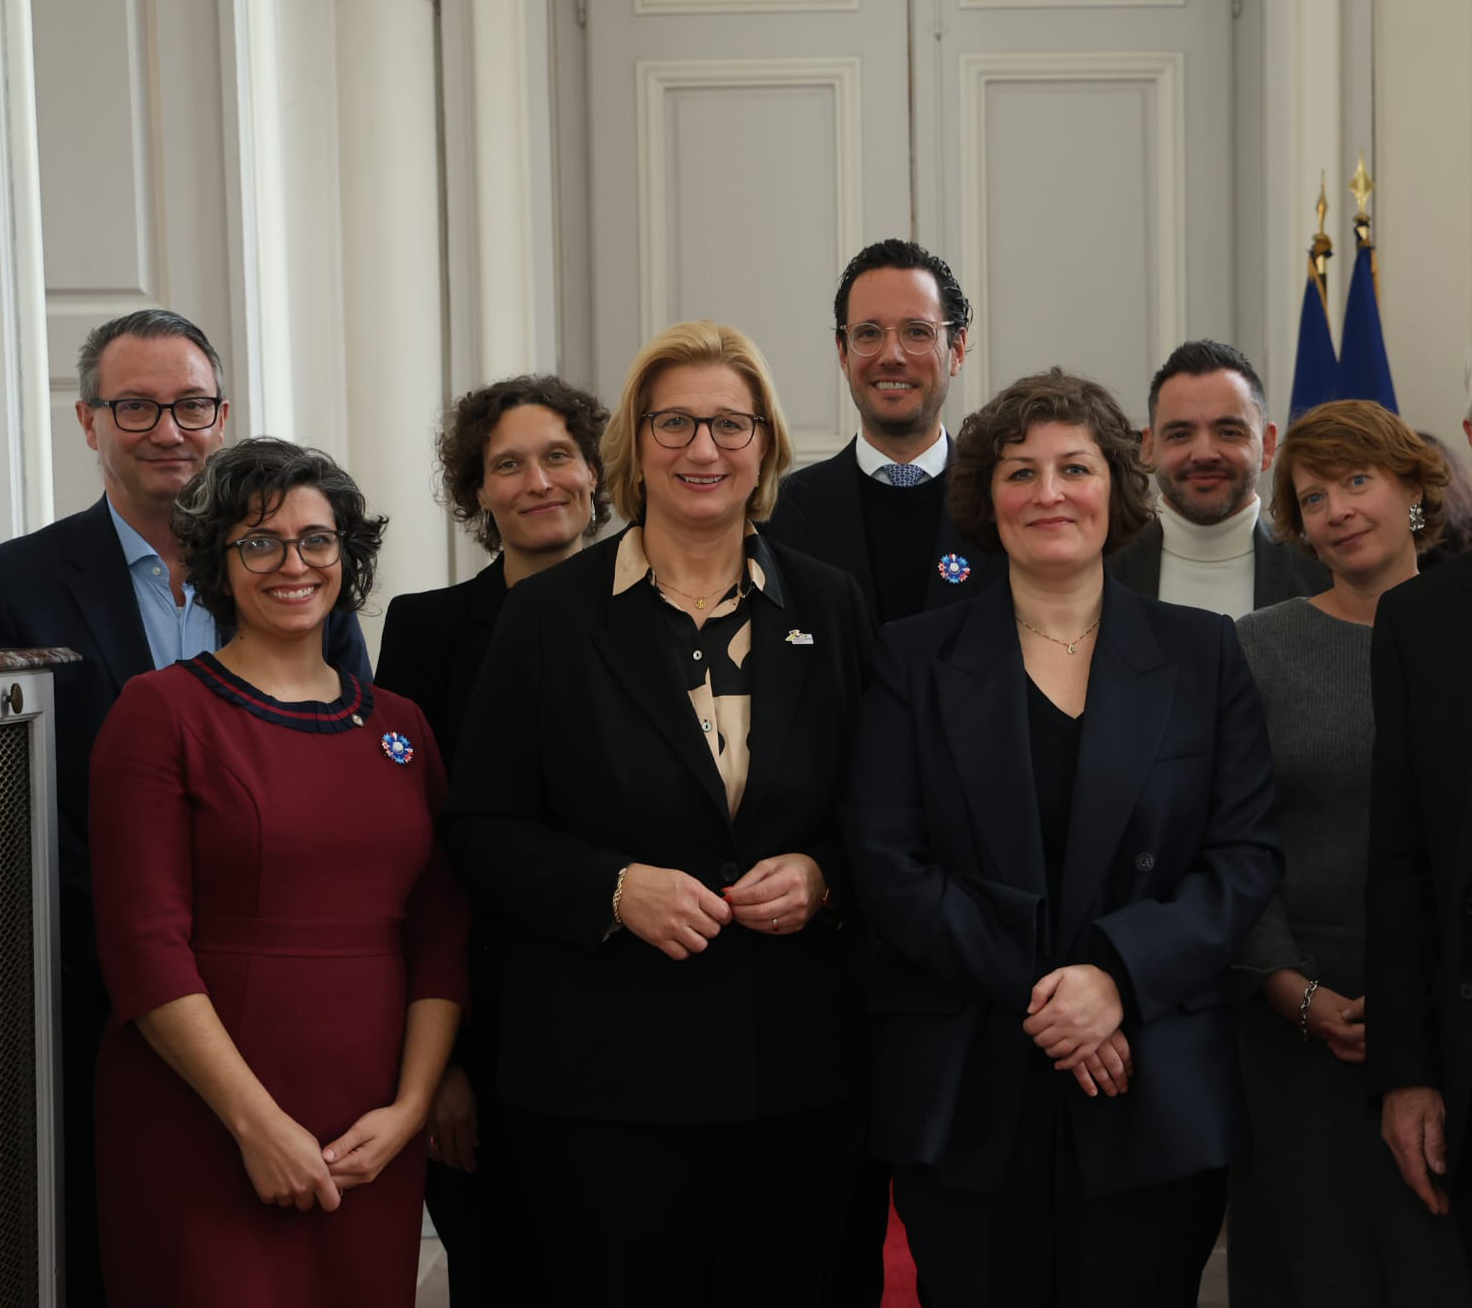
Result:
[1209,567]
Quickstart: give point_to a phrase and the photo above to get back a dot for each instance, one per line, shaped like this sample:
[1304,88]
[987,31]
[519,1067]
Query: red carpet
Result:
[899,1267]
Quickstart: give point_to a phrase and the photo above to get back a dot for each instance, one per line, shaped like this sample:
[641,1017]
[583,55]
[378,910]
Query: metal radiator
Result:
[30,1082]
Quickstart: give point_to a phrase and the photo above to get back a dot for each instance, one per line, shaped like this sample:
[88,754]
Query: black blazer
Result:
[1418,945]
[820,513]
[68,584]
[582,754]
[1280,571]
[1171,858]
[433,645]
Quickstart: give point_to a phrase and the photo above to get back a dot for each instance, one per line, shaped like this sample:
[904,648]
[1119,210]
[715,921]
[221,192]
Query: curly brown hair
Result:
[247,483]
[467,429]
[1353,434]
[1052,396]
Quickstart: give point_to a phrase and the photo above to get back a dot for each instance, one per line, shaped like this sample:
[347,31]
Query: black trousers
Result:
[483,1219]
[1039,1242]
[697,1216]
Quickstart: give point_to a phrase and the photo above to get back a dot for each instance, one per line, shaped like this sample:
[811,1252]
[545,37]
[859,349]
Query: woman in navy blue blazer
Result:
[1059,829]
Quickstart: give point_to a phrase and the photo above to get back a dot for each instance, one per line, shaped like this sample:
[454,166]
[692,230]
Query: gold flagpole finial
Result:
[1360,186]
[1322,250]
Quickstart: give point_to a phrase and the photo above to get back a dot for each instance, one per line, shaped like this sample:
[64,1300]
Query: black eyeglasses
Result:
[192,413]
[918,336]
[317,549]
[675,429]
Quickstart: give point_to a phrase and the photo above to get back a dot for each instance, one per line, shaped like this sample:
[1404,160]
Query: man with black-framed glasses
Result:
[109,584]
[877,509]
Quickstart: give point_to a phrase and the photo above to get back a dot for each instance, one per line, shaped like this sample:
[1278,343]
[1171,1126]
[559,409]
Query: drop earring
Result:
[1418,516]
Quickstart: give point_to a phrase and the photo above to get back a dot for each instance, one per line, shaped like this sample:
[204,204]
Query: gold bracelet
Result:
[1308,998]
[618,895]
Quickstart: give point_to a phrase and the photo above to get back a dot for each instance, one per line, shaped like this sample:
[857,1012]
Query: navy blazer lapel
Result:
[982,697]
[1271,583]
[983,568]
[645,662]
[1131,690]
[837,535]
[1138,563]
[97,576]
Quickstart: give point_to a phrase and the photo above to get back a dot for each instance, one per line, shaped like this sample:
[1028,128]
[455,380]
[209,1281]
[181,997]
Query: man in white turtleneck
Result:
[1208,440]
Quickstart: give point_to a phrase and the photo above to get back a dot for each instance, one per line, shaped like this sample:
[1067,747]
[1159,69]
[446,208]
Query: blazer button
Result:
[1465,989]
[730,874]
[1144,862]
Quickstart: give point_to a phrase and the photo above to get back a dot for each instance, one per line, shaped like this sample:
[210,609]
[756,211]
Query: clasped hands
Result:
[674,912]
[287,1167]
[1073,1016]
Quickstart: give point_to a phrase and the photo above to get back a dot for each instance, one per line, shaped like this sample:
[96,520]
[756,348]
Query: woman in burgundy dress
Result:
[283,945]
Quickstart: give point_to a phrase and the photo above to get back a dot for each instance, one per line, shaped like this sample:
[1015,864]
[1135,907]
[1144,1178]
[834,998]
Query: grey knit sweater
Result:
[1313,673]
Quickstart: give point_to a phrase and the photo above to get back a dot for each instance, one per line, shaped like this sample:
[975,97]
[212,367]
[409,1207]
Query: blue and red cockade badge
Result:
[954,568]
[396,747]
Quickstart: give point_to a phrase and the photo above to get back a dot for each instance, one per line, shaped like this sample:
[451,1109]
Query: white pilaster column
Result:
[25,472]
[391,279]
[1423,178]
[500,217]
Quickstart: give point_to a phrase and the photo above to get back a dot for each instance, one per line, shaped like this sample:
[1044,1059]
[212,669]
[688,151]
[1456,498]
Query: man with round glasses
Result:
[109,584]
[877,509]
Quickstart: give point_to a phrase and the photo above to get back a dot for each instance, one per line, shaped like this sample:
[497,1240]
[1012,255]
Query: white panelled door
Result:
[741,151]
[1072,162]
[1076,166]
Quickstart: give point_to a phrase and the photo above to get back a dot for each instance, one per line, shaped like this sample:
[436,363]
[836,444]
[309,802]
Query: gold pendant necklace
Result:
[1070,645]
[698,600]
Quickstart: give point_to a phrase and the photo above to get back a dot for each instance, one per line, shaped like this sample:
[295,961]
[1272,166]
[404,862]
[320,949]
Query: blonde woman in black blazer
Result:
[647,791]
[1059,823]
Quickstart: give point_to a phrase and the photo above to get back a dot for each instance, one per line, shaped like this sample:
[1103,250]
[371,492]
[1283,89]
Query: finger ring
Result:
[775,927]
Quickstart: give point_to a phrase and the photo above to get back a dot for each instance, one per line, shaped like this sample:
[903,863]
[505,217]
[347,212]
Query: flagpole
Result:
[1321,250]
[1360,186]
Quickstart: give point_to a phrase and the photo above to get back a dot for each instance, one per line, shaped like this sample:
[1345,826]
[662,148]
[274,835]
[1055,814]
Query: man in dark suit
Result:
[109,584]
[877,509]
[1208,440]
[1418,947]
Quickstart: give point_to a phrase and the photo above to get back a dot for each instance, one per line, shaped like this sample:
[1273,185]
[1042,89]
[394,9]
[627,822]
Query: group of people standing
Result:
[672,910]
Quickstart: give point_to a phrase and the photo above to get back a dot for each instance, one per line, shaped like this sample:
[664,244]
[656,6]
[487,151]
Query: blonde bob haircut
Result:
[698,344]
[1345,436]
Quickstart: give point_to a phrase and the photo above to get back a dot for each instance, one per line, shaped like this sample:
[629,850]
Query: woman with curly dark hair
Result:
[1058,829]
[282,944]
[520,467]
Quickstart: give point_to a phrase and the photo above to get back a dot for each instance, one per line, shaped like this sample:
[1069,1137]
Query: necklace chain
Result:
[1070,645]
[699,601]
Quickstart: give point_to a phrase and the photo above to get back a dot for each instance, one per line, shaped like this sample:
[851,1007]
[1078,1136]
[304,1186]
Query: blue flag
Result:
[1316,372]
[1364,369]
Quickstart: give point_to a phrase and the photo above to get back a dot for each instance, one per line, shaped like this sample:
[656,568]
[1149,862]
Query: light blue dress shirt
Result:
[173,632]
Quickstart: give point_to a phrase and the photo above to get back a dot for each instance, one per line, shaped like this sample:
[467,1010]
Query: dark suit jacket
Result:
[433,645]
[1171,858]
[820,513]
[1418,948]
[68,584]
[1280,571]
[581,755]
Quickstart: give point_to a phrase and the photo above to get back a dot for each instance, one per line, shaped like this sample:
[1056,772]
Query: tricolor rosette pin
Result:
[954,568]
[396,748]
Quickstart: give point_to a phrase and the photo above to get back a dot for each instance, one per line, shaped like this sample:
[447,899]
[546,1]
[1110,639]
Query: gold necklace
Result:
[698,600]
[1070,645]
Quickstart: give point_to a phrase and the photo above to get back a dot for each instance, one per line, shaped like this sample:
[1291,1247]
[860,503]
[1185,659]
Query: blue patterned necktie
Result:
[903,474]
